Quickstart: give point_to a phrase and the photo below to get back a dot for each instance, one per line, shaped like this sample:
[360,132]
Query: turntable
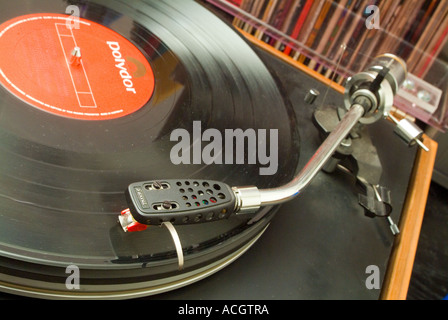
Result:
[146,146]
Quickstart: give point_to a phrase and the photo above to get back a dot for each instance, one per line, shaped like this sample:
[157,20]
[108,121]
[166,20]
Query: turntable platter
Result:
[75,134]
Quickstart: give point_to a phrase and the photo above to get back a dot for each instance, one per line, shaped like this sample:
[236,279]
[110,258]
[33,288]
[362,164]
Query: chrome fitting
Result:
[247,200]
[379,83]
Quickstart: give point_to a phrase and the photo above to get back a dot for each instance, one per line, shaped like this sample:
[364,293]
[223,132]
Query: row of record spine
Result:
[338,31]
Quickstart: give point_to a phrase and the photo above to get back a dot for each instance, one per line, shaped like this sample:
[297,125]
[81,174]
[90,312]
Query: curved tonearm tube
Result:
[369,97]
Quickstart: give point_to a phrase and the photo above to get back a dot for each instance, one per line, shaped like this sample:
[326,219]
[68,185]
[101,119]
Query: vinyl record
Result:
[73,139]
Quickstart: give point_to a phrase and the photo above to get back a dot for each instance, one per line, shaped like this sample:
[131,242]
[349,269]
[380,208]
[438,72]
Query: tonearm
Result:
[369,97]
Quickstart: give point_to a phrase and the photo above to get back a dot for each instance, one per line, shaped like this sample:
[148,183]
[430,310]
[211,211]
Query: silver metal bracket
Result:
[177,243]
[409,132]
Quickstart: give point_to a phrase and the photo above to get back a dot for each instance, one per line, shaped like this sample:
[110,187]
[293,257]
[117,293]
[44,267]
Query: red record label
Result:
[76,69]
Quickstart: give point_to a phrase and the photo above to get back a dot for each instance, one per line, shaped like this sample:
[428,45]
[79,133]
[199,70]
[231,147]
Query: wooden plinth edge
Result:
[401,263]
